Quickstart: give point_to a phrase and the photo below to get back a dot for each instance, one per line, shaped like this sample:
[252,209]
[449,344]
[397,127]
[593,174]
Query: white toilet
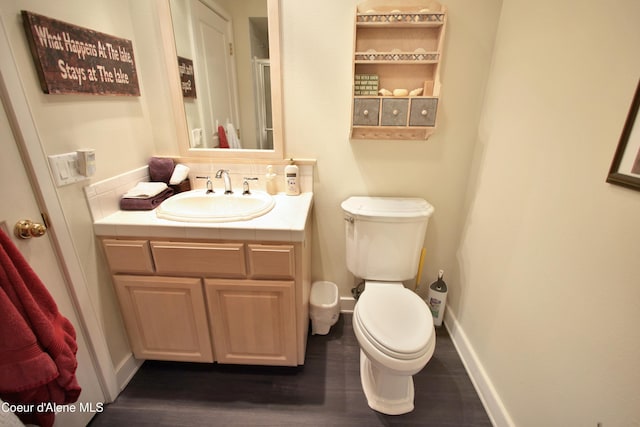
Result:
[393,325]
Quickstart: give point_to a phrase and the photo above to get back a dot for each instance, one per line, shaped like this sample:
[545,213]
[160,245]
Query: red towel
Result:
[222,136]
[37,344]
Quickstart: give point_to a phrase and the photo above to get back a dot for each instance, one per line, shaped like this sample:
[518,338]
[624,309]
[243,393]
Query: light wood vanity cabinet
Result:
[230,302]
[397,47]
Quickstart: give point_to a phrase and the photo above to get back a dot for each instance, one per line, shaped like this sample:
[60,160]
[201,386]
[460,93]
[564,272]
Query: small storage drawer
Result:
[423,112]
[200,259]
[128,256]
[394,112]
[271,261]
[366,111]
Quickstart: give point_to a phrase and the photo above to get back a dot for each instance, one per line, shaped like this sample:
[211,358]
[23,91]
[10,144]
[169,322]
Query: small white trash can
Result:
[324,307]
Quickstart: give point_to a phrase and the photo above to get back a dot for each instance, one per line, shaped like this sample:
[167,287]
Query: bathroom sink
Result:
[198,206]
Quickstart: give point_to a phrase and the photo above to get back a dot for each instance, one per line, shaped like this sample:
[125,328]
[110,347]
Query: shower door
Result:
[262,88]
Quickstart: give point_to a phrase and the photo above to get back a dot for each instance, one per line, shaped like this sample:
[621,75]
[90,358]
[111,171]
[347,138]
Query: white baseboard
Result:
[490,399]
[347,304]
[126,369]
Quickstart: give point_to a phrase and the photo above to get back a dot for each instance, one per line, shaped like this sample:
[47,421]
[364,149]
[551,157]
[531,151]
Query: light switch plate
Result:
[64,168]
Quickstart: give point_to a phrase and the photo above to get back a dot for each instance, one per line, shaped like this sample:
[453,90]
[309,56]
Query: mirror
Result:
[223,59]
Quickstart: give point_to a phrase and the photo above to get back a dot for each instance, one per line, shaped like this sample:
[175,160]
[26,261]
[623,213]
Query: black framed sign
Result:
[625,168]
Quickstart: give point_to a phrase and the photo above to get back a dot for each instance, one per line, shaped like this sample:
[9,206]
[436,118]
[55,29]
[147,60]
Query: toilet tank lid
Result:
[388,207]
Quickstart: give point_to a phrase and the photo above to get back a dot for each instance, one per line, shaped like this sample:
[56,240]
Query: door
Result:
[215,72]
[20,203]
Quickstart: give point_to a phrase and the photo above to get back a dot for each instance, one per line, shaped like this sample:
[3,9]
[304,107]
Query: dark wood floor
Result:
[325,391]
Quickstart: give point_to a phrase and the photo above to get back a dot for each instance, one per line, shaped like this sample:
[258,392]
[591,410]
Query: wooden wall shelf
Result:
[397,50]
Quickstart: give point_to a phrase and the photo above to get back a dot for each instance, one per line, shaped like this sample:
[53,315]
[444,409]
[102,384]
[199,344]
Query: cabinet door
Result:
[366,111]
[252,322]
[423,112]
[165,317]
[128,256]
[394,112]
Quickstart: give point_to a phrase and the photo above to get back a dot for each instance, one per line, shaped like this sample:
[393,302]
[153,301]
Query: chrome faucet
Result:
[209,183]
[223,173]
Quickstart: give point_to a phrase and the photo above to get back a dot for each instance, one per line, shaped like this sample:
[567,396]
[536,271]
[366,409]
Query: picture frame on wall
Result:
[625,168]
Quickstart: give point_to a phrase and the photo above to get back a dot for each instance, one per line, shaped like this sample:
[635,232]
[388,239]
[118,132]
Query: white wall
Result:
[548,291]
[317,78]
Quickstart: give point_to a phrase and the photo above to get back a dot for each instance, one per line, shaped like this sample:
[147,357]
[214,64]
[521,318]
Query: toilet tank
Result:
[385,235]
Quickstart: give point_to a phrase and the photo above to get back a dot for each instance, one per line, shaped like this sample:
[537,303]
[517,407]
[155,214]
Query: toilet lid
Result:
[396,321]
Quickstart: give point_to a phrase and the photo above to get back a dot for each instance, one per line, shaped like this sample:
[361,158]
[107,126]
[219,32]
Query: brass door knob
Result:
[26,229]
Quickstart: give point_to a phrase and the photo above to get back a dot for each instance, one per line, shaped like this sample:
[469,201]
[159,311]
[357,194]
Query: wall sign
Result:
[187,77]
[72,59]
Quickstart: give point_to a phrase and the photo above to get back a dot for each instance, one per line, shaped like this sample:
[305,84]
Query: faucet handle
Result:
[245,184]
[209,183]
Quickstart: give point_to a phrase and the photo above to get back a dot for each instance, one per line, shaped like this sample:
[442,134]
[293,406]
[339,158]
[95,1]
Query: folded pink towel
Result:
[145,204]
[160,169]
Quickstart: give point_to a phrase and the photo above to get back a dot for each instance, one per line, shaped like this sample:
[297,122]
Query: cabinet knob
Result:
[365,112]
[424,112]
[395,112]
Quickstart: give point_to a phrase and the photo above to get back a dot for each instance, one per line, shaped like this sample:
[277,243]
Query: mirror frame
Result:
[177,101]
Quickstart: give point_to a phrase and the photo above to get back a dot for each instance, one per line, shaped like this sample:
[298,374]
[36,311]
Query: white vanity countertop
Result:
[285,222]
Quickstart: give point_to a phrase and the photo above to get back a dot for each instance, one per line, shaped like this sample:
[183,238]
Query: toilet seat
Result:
[395,321]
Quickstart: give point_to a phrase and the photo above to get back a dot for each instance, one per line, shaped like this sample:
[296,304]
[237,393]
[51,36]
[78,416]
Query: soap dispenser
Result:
[270,178]
[291,177]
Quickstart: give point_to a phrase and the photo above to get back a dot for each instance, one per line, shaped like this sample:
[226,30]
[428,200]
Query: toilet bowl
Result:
[395,331]
[393,325]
